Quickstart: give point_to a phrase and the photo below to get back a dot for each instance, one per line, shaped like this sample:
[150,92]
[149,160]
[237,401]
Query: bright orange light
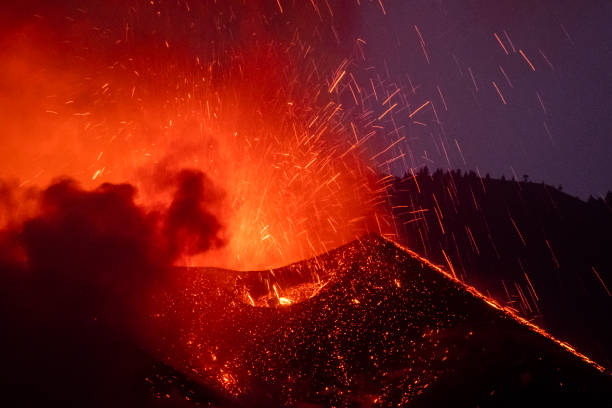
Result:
[277,147]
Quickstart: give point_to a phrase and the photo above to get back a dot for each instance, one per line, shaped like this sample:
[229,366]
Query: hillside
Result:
[529,245]
[368,324]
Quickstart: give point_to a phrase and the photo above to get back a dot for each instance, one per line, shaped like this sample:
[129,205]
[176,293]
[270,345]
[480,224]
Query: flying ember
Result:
[230,204]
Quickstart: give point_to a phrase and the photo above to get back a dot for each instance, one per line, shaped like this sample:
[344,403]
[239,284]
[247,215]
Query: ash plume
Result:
[76,277]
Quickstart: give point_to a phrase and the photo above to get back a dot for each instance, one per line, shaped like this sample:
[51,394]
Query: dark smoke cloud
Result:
[188,223]
[75,278]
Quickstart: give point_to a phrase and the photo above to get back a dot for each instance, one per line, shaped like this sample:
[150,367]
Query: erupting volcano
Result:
[227,203]
[367,324]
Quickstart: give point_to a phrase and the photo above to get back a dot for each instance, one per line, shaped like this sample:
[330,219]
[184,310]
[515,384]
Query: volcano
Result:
[367,324]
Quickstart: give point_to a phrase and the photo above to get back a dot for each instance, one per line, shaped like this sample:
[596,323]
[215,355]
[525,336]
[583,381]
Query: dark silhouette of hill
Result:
[381,328]
[529,245]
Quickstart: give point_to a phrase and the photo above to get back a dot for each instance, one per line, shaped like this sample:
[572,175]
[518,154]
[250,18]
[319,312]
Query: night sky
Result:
[562,140]
[554,127]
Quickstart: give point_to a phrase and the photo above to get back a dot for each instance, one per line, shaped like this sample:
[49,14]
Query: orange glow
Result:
[253,122]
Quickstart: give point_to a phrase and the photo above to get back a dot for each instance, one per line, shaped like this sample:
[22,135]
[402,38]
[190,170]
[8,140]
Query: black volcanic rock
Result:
[367,324]
[529,245]
[45,367]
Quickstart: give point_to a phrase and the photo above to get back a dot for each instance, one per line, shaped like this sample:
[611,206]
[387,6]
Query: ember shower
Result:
[147,139]
[247,92]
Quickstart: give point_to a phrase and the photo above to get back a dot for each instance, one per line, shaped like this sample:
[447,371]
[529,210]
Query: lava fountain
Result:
[139,90]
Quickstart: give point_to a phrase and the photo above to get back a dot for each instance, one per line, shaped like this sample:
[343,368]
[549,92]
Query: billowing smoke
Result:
[76,275]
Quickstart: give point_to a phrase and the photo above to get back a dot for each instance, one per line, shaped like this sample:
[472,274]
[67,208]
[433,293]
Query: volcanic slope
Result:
[366,325]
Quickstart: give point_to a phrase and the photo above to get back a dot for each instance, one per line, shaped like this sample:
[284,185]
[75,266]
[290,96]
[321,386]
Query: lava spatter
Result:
[371,325]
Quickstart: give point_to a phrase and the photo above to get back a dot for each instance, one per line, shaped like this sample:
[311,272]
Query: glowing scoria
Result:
[368,324]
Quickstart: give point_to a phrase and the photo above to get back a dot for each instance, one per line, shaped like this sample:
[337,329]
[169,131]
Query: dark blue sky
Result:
[563,140]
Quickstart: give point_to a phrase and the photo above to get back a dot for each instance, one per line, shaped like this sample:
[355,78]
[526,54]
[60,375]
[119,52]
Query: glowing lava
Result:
[131,101]
[383,327]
